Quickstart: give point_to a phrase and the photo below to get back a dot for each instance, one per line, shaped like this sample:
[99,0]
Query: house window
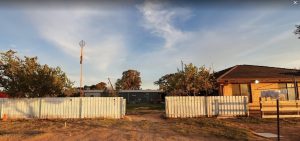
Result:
[236,90]
[291,95]
[242,90]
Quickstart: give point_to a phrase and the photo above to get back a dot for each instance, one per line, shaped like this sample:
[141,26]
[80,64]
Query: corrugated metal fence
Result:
[197,106]
[79,107]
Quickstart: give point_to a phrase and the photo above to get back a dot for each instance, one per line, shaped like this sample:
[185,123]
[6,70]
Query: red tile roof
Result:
[252,72]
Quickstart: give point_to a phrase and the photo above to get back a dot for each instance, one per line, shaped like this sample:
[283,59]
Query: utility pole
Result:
[81,44]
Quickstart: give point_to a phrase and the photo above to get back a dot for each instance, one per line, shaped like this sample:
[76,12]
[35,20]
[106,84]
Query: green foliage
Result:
[27,78]
[101,86]
[130,80]
[297,31]
[191,81]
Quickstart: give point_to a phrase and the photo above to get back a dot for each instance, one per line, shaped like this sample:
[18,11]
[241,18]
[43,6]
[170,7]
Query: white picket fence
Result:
[198,106]
[79,107]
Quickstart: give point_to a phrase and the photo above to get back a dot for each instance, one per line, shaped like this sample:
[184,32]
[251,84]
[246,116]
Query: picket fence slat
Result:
[195,106]
[47,108]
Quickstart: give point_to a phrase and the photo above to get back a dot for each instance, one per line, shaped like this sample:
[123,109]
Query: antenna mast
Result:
[81,44]
[113,91]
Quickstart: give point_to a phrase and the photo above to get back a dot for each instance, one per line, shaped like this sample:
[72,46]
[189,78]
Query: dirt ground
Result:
[142,124]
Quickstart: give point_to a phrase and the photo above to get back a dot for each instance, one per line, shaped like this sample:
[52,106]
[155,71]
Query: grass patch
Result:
[250,120]
[144,108]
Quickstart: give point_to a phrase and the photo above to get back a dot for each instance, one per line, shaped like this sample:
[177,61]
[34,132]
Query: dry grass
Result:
[206,127]
[145,125]
[210,127]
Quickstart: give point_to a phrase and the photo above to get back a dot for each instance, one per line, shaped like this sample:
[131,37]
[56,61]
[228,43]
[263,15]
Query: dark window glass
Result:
[236,90]
[242,90]
[246,91]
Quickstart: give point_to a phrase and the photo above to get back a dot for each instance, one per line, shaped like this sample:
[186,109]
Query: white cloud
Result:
[236,40]
[158,19]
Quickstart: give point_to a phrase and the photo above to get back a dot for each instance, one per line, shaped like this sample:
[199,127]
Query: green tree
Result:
[190,81]
[101,86]
[297,31]
[27,78]
[130,80]
[118,84]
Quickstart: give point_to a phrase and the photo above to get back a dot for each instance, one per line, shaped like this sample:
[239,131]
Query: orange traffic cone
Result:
[4,117]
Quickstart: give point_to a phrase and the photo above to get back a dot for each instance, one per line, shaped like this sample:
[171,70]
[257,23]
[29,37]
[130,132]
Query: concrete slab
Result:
[267,135]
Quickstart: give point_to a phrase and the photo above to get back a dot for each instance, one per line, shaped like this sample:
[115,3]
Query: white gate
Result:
[197,106]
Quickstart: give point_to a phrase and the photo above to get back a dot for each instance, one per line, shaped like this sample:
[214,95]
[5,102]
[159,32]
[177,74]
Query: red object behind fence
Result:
[3,95]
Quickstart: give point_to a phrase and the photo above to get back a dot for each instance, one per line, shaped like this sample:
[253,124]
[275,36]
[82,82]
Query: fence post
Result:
[166,107]
[205,104]
[216,107]
[124,108]
[40,107]
[80,107]
[245,106]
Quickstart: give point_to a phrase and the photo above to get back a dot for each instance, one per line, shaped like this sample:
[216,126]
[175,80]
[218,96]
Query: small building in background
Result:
[95,93]
[131,96]
[142,96]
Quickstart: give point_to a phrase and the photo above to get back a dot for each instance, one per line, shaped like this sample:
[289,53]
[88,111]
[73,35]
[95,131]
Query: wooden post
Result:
[245,106]
[278,128]
[260,107]
[296,88]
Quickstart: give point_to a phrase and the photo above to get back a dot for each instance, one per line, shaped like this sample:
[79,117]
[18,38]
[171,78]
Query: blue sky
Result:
[152,37]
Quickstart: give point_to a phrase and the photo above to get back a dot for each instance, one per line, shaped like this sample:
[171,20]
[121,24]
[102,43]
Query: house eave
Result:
[261,80]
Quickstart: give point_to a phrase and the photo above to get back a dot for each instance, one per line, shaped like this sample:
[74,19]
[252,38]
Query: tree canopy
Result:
[98,86]
[297,31]
[25,77]
[101,86]
[190,81]
[130,80]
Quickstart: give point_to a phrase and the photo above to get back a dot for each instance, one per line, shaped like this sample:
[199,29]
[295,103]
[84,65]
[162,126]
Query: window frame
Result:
[286,87]
[240,90]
